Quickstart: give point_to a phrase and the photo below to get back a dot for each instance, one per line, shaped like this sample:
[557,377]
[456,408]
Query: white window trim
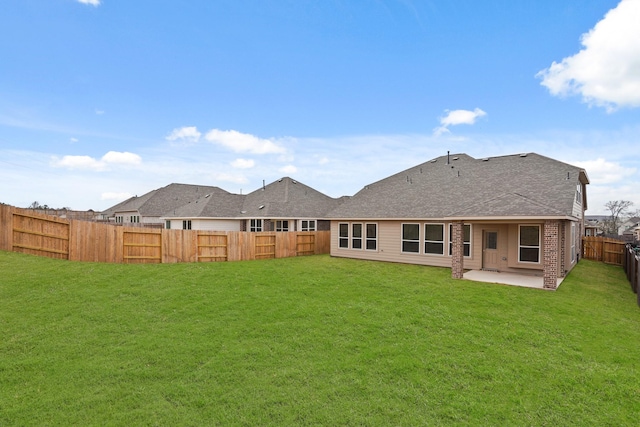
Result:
[402,240]
[353,237]
[256,228]
[368,239]
[308,227]
[539,247]
[444,239]
[347,237]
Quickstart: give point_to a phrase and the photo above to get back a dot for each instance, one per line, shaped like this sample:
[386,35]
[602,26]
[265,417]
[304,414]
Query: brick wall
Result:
[457,250]
[550,259]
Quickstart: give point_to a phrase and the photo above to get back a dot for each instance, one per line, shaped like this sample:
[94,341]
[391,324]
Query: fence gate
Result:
[609,251]
[212,247]
[142,247]
[305,244]
[265,246]
[40,236]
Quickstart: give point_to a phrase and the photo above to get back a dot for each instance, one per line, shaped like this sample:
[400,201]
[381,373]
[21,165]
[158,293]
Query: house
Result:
[520,213]
[595,225]
[627,229]
[146,210]
[283,205]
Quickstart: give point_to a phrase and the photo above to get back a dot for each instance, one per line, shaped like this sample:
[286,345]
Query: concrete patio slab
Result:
[512,279]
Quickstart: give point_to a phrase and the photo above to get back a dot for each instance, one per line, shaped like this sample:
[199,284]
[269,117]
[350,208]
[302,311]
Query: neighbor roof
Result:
[458,185]
[284,198]
[287,198]
[160,201]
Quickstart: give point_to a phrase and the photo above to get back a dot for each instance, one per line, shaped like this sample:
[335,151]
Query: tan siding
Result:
[389,246]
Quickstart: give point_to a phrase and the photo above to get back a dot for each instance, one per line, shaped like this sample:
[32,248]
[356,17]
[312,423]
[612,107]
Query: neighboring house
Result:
[636,233]
[594,225]
[520,213]
[627,227]
[283,205]
[146,210]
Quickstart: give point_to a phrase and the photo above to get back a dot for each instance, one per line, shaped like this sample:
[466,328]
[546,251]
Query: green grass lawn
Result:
[311,341]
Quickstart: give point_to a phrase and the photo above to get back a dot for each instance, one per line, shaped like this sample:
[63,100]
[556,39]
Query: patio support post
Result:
[550,258]
[457,250]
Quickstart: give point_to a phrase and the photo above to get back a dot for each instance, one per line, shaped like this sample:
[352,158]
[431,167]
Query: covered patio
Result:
[512,279]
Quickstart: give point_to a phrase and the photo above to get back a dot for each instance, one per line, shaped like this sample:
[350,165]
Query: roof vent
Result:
[523,155]
[294,181]
[261,207]
[455,158]
[207,196]
[243,212]
[433,161]
[486,159]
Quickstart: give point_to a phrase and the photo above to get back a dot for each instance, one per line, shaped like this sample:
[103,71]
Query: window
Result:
[371,237]
[356,236]
[579,193]
[186,224]
[282,225]
[434,239]
[529,243]
[119,219]
[466,237]
[308,225]
[256,225]
[343,235]
[134,219]
[411,238]
[492,240]
[167,224]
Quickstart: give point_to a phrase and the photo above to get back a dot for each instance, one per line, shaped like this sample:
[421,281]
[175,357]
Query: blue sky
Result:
[104,99]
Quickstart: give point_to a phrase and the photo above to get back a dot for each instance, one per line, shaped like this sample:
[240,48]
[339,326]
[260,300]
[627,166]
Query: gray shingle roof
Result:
[284,198]
[162,200]
[287,198]
[461,186]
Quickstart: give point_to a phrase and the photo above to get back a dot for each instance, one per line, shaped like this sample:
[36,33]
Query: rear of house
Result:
[522,213]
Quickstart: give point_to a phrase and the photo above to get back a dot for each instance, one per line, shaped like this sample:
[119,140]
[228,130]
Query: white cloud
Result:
[91,2]
[606,72]
[185,135]
[112,158]
[243,163]
[99,112]
[73,140]
[458,117]
[601,171]
[122,158]
[242,142]
[113,196]
[289,169]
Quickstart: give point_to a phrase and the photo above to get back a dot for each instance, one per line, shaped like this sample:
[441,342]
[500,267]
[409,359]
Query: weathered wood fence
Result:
[603,249]
[631,266]
[22,230]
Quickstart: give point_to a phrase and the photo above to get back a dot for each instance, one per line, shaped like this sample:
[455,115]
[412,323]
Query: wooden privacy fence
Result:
[631,267]
[22,230]
[603,249]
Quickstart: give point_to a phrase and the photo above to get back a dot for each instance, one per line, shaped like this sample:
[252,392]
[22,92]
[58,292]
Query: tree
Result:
[618,209]
[37,205]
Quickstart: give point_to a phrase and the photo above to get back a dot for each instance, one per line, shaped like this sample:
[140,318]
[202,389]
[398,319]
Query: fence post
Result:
[633,270]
